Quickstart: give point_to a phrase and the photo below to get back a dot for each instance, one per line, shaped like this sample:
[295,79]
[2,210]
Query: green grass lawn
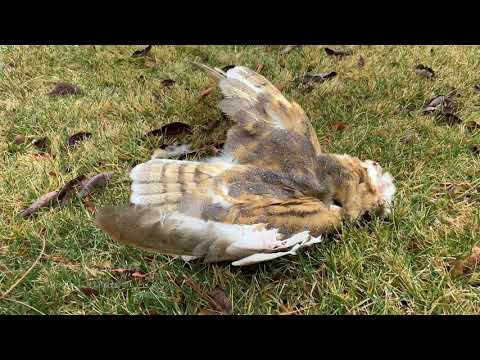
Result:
[400,266]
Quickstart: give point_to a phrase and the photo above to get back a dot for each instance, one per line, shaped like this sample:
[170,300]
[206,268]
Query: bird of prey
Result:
[271,192]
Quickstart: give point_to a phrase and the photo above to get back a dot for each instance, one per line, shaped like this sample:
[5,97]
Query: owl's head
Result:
[373,187]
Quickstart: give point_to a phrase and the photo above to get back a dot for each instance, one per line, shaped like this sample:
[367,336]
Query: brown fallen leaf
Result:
[308,81]
[97,181]
[19,139]
[449,118]
[63,88]
[171,130]
[475,149]
[467,265]
[76,138]
[168,83]
[136,274]
[289,49]
[438,102]
[43,201]
[206,92]
[142,52]
[89,205]
[221,301]
[361,62]
[259,68]
[425,71]
[339,126]
[337,52]
[42,144]
[472,125]
[90,292]
[228,67]
[66,191]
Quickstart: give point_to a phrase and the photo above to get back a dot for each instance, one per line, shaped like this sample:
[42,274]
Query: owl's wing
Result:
[258,108]
[218,211]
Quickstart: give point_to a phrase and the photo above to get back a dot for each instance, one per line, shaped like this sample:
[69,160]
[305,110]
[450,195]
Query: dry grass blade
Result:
[19,280]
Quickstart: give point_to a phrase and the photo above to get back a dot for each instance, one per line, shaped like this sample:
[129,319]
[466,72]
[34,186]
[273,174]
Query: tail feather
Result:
[215,73]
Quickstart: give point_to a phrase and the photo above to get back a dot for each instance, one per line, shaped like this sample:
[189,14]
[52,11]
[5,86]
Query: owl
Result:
[270,193]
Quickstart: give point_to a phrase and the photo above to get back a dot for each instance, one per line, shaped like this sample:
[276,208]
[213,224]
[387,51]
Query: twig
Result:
[26,273]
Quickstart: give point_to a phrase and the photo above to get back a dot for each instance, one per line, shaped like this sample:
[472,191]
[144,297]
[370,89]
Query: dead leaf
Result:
[43,201]
[19,139]
[168,83]
[308,81]
[259,68]
[425,71]
[94,182]
[435,104]
[228,67]
[90,292]
[42,144]
[339,126]
[89,205]
[317,78]
[136,274]
[171,130]
[65,192]
[289,48]
[475,149]
[337,52]
[221,301]
[361,62]
[119,271]
[62,89]
[472,125]
[142,53]
[206,92]
[76,138]
[449,118]
[467,265]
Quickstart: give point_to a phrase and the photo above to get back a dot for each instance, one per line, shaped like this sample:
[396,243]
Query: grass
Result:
[395,267]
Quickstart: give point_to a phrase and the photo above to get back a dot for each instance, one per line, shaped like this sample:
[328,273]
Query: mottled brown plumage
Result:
[272,173]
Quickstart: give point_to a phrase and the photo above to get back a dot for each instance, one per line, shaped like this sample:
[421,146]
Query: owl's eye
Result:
[336,202]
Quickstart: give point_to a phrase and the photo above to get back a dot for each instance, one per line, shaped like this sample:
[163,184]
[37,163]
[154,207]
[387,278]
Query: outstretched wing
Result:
[266,122]
[227,192]
[219,211]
